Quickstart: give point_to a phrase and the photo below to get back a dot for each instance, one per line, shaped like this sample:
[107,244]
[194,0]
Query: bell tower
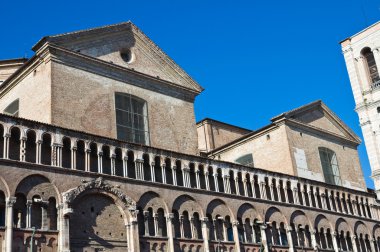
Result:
[362,55]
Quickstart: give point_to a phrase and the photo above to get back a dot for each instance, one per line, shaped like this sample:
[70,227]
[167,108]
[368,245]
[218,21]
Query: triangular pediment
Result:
[127,46]
[318,116]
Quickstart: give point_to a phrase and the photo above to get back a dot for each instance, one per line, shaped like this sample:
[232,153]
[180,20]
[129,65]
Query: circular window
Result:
[127,55]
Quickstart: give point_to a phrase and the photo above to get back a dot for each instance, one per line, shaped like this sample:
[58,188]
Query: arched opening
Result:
[176,224]
[46,149]
[372,70]
[193,179]
[220,180]
[168,171]
[131,165]
[1,141]
[94,157]
[19,211]
[202,178]
[179,173]
[186,225]
[197,226]
[30,147]
[232,182]
[211,178]
[249,185]
[80,155]
[106,160]
[66,152]
[240,183]
[161,222]
[257,186]
[52,214]
[14,144]
[141,221]
[146,165]
[157,169]
[90,211]
[2,209]
[119,170]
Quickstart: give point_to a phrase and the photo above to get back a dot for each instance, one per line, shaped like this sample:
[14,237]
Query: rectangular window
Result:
[131,119]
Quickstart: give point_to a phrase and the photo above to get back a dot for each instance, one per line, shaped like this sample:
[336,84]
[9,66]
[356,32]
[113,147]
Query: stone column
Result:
[163,171]
[372,244]
[286,193]
[205,234]
[192,227]
[237,185]
[236,235]
[38,151]
[29,213]
[354,244]
[9,224]
[264,240]
[87,152]
[335,244]
[253,187]
[181,226]
[44,215]
[155,219]
[170,231]
[207,181]
[100,160]
[271,185]
[225,236]
[174,169]
[152,172]
[7,136]
[313,239]
[197,178]
[139,166]
[73,157]
[134,236]
[64,216]
[125,163]
[245,187]
[263,193]
[184,176]
[290,238]
[354,207]
[216,182]
[303,191]
[295,196]
[22,148]
[113,166]
[146,222]
[227,187]
[254,238]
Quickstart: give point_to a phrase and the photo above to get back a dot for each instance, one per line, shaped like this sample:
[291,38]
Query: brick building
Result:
[100,151]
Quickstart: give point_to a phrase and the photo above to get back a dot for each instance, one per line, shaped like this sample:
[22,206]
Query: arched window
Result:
[246,160]
[371,65]
[330,166]
[131,119]
[12,109]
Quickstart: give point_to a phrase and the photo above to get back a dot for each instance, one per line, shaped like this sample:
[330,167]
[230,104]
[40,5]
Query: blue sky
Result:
[255,59]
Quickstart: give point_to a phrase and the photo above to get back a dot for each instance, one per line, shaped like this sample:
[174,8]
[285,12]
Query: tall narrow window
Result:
[371,65]
[12,109]
[330,166]
[245,160]
[131,119]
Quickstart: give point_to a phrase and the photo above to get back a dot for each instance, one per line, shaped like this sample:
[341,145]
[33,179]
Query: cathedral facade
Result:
[100,151]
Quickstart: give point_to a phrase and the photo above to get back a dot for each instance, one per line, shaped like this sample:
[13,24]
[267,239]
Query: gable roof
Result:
[292,114]
[65,38]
